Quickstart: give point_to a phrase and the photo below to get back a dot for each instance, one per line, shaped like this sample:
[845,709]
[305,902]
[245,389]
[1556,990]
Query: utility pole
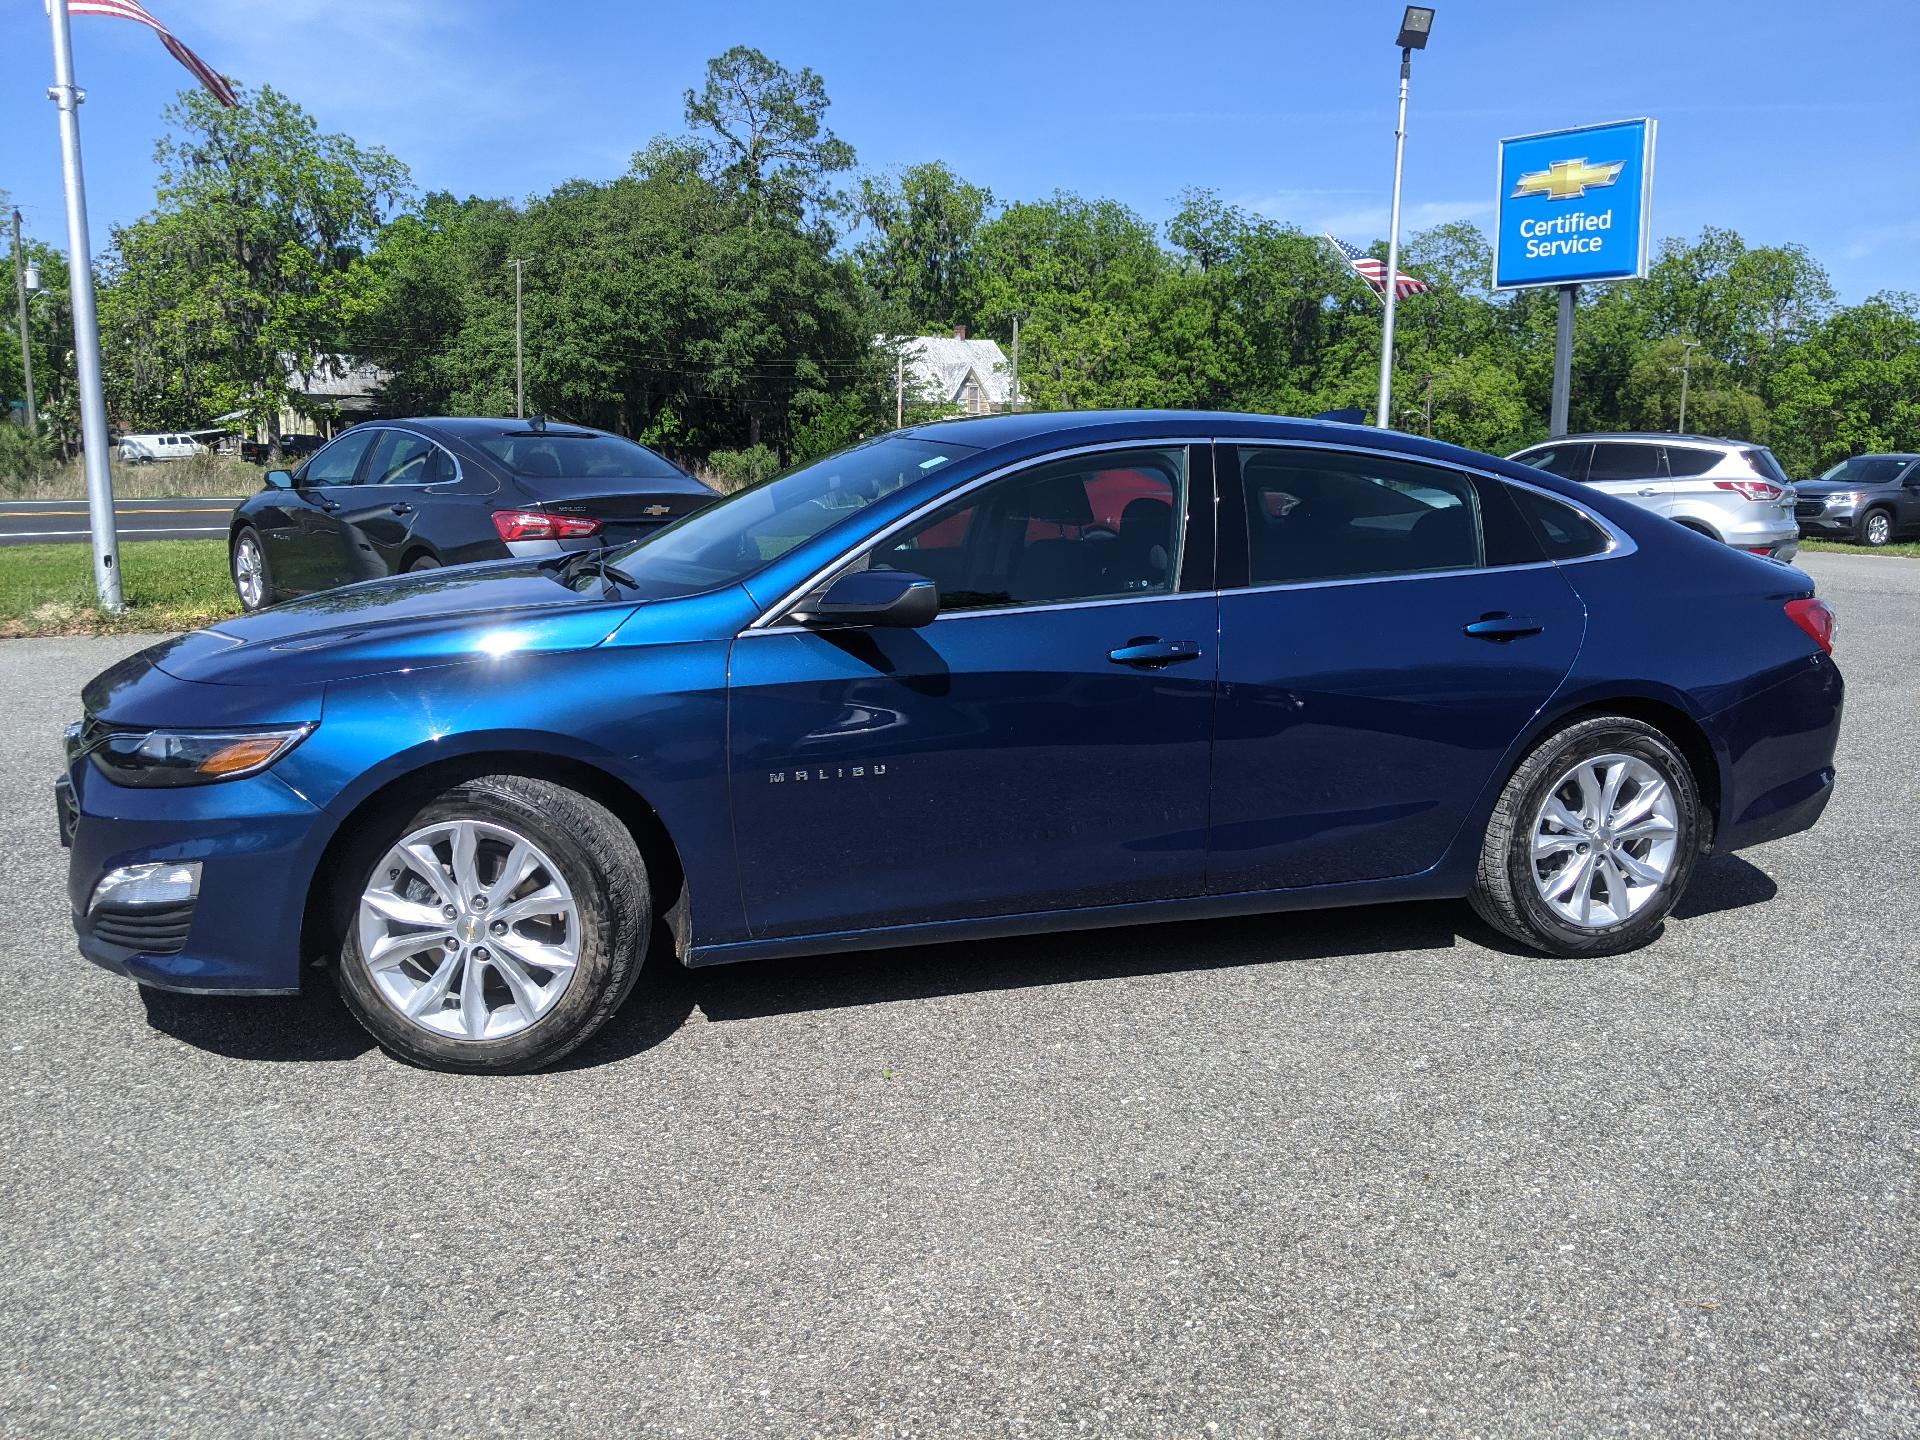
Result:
[1686,368]
[26,345]
[1429,407]
[519,362]
[899,389]
[86,323]
[1016,361]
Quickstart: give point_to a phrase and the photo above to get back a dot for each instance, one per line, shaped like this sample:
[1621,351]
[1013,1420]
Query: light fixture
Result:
[1415,26]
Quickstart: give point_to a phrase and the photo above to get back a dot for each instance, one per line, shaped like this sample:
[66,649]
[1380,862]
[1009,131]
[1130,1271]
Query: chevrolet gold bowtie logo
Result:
[1568,179]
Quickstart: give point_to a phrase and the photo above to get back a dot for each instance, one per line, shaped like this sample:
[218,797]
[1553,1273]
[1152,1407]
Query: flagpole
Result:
[86,324]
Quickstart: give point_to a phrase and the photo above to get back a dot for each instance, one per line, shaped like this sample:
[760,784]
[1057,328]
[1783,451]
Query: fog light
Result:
[163,882]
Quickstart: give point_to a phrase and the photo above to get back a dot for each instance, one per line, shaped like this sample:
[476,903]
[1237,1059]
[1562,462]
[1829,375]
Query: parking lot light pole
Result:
[1415,26]
[86,323]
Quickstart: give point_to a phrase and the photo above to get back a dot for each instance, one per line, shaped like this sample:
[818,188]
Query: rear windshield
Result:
[1868,469]
[570,455]
[1763,463]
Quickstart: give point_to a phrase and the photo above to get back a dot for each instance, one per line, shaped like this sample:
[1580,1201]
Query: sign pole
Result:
[26,335]
[1383,416]
[1563,361]
[86,324]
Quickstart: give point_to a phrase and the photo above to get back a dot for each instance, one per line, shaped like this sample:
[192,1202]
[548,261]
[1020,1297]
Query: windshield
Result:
[725,543]
[571,455]
[1868,469]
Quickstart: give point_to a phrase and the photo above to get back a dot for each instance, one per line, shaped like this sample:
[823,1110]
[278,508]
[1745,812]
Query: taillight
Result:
[539,525]
[1752,489]
[1816,618]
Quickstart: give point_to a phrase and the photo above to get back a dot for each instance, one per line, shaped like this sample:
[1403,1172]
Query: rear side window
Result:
[1569,462]
[1764,464]
[1564,533]
[1622,460]
[1684,460]
[1324,515]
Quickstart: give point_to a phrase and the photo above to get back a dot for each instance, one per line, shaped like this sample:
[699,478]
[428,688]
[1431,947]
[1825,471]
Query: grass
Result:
[202,477]
[170,585]
[1909,548]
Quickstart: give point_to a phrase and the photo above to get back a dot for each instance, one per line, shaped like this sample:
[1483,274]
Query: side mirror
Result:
[280,479]
[893,598]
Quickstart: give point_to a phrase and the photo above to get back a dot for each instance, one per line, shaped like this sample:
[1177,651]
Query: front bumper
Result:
[251,838]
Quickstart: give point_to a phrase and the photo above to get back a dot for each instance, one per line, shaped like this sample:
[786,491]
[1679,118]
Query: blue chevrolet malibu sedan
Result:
[965,681]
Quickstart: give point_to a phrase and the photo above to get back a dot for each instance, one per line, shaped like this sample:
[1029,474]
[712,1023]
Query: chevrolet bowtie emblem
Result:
[655,510]
[1568,179]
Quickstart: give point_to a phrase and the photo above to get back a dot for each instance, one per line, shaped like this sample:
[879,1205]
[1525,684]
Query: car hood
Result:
[1804,488]
[436,617]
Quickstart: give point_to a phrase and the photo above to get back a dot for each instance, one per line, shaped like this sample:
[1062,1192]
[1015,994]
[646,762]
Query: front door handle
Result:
[1502,627]
[1151,653]
[401,507]
[1650,490]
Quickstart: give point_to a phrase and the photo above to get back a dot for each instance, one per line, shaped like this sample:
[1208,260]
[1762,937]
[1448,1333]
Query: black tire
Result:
[1876,528]
[1504,892]
[601,865]
[244,534]
[422,562]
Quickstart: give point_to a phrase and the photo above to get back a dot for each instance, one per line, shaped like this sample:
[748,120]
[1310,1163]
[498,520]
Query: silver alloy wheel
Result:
[1879,528]
[468,930]
[1604,840]
[249,573]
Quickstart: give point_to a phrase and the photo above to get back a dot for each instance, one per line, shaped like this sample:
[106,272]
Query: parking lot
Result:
[1357,1172]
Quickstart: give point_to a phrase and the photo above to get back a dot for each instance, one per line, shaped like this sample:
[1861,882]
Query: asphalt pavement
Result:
[1363,1172]
[57,522]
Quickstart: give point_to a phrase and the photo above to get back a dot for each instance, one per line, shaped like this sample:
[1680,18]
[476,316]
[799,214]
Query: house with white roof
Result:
[971,375]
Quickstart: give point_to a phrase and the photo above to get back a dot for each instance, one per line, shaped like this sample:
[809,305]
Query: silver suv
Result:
[1726,489]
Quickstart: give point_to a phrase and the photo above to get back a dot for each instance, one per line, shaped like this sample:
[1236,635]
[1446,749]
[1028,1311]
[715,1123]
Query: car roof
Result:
[474,426]
[1663,437]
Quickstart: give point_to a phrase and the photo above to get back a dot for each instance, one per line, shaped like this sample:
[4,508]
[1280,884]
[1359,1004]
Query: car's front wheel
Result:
[248,563]
[1876,529]
[496,928]
[1592,841]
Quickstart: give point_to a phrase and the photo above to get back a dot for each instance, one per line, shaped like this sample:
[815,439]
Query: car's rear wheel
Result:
[1876,528]
[248,562]
[494,929]
[422,562]
[1592,841]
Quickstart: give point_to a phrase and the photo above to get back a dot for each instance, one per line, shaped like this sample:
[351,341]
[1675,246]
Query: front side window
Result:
[1326,515]
[399,458]
[1622,460]
[335,464]
[1094,527]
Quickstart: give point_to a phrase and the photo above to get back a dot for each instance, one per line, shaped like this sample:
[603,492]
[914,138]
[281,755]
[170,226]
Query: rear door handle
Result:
[1502,627]
[1648,491]
[401,508]
[1152,653]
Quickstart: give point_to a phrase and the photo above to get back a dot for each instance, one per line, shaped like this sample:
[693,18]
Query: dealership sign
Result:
[1574,205]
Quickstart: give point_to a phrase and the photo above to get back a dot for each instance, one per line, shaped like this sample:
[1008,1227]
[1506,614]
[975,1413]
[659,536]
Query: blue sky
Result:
[1785,122]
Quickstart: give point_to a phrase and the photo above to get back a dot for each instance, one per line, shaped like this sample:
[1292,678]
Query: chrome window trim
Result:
[1037,606]
[772,615]
[1619,543]
[459,472]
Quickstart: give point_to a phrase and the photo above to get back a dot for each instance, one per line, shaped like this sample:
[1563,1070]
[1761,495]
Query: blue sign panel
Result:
[1574,205]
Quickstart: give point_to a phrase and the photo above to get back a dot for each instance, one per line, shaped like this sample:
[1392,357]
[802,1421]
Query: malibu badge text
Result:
[827,772]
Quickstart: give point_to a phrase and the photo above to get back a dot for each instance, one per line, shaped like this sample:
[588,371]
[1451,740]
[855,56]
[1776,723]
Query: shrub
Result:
[23,458]
[732,470]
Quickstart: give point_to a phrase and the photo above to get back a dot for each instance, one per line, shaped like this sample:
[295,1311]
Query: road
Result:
[1366,1172]
[56,522]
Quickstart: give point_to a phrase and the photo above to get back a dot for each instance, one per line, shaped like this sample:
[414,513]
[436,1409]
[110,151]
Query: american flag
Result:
[1374,272]
[132,10]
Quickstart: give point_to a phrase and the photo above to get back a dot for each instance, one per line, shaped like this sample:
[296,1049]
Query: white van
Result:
[145,449]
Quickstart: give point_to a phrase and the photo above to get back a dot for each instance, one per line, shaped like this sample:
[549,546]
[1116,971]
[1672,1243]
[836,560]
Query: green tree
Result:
[1853,387]
[764,132]
[242,270]
[922,258]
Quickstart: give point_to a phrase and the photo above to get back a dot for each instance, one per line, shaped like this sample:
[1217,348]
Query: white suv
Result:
[145,449]
[1727,489]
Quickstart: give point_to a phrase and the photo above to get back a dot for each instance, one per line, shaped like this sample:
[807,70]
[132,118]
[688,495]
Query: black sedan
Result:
[396,495]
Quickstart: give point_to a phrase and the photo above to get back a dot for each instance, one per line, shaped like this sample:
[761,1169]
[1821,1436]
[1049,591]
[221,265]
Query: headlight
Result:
[1840,499]
[191,757]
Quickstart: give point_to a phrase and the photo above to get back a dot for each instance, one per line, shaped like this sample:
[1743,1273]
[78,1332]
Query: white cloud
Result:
[1335,212]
